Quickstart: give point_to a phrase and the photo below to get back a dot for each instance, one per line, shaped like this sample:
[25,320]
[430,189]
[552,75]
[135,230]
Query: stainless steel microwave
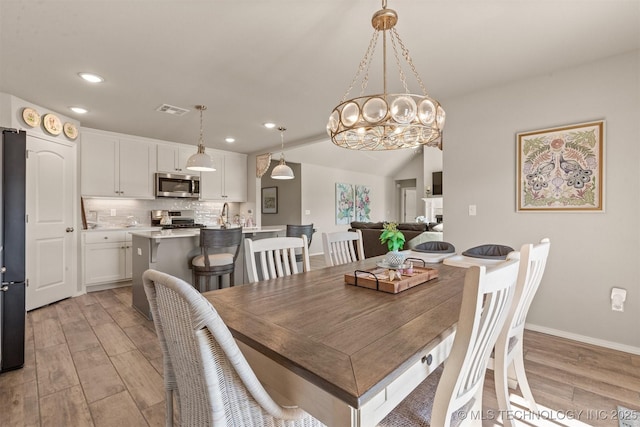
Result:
[177,185]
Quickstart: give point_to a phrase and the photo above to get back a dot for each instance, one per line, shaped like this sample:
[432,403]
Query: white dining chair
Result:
[486,299]
[508,359]
[342,247]
[216,385]
[277,257]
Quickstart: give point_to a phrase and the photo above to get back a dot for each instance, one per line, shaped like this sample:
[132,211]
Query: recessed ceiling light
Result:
[269,125]
[90,77]
[79,110]
[230,140]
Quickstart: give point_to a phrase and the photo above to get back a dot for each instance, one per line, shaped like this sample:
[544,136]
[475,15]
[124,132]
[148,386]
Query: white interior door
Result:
[51,235]
[409,204]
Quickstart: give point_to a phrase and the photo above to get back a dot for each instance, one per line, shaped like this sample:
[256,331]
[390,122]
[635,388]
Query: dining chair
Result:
[342,247]
[276,255]
[215,384]
[486,299]
[219,250]
[508,359]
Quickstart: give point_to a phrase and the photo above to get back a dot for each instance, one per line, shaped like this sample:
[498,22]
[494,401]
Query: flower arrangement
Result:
[392,236]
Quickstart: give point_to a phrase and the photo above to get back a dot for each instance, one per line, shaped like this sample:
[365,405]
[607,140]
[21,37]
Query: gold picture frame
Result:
[561,169]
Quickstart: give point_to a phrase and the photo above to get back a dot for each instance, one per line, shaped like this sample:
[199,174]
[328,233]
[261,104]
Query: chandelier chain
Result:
[363,63]
[403,77]
[407,57]
[365,79]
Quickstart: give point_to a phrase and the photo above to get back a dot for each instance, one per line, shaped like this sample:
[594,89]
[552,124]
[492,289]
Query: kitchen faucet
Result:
[224,215]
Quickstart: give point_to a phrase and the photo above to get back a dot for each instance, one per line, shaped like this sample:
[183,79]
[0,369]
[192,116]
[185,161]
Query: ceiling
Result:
[286,61]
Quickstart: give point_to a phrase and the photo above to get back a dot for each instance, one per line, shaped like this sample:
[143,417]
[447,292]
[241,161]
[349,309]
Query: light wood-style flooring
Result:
[93,360]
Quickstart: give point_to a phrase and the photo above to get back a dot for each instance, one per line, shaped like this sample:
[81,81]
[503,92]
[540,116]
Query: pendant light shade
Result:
[282,171]
[201,161]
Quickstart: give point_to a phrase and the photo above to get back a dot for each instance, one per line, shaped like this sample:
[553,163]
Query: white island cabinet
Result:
[229,181]
[114,165]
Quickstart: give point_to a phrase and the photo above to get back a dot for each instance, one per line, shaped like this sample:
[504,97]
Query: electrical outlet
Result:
[307,212]
[472,210]
[113,212]
[140,251]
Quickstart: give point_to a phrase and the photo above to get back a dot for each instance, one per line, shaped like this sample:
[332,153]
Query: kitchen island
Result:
[170,251]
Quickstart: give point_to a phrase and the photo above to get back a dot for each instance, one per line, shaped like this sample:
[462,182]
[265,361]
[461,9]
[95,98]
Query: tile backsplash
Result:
[100,210]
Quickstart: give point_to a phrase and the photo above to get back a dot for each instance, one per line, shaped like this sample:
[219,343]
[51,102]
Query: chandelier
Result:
[386,121]
[200,161]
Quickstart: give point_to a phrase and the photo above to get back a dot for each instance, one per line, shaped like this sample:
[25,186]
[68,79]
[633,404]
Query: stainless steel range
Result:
[174,219]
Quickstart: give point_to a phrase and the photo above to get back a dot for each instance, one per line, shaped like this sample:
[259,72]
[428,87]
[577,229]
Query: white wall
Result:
[318,197]
[590,252]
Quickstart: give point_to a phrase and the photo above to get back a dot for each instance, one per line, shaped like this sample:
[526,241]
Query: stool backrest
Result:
[294,230]
[213,240]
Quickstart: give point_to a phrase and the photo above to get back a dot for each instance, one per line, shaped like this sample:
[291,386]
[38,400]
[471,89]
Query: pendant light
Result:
[386,121]
[282,171]
[200,161]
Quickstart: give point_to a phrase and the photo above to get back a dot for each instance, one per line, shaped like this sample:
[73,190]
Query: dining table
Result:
[346,354]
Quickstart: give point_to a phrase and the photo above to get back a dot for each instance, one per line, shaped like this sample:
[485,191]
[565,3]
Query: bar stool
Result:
[219,251]
[298,231]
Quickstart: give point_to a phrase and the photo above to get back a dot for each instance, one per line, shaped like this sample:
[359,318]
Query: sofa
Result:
[414,234]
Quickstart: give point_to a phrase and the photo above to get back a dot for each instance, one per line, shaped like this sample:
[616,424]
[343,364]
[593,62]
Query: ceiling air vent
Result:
[170,109]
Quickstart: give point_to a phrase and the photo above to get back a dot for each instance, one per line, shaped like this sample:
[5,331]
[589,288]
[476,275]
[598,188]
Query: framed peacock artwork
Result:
[561,169]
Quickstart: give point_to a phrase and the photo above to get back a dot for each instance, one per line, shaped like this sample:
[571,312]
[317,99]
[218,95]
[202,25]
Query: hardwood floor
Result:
[93,360]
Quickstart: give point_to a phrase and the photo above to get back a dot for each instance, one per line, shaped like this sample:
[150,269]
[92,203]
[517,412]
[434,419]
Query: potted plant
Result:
[395,241]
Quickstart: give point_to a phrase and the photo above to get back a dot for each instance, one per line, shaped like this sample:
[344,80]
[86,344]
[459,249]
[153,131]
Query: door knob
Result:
[69,229]
[5,288]
[3,269]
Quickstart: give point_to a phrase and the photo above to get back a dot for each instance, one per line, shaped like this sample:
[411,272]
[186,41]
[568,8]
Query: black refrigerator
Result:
[12,248]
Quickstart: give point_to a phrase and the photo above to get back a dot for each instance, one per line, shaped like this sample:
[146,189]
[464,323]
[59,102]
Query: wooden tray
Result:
[378,279]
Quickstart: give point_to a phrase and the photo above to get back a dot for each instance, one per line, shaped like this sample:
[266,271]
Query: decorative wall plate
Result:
[263,161]
[31,117]
[52,124]
[70,130]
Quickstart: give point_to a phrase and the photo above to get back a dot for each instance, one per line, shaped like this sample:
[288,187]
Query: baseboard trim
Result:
[584,339]
[105,286]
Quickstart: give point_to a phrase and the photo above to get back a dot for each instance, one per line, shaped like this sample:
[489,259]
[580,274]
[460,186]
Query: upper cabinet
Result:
[173,157]
[229,181]
[113,165]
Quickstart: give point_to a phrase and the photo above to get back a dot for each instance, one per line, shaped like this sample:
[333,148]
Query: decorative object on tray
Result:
[31,117]
[395,241]
[70,130]
[387,280]
[561,169]
[52,124]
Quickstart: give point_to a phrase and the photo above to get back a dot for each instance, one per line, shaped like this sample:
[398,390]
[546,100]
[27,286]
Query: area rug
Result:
[628,417]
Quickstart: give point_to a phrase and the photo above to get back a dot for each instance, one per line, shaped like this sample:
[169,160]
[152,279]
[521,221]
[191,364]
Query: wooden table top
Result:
[348,340]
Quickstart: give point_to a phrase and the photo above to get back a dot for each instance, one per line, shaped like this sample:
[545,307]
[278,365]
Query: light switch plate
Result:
[472,210]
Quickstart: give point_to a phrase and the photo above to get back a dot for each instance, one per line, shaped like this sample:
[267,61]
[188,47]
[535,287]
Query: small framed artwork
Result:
[270,200]
[561,169]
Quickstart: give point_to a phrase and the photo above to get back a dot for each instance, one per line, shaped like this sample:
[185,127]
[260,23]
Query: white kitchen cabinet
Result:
[107,257]
[229,181]
[115,166]
[173,158]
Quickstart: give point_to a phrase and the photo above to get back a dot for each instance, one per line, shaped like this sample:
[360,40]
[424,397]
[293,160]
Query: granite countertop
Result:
[191,232]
